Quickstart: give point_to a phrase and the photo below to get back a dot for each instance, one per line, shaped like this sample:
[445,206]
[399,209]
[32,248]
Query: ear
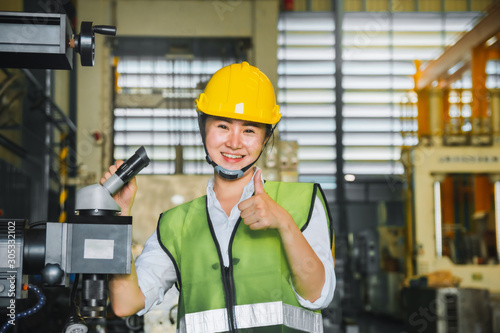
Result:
[269,133]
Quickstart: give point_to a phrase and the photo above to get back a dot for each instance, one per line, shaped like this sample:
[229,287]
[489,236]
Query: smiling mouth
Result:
[232,156]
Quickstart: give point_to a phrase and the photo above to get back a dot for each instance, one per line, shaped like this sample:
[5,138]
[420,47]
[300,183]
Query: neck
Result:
[225,188]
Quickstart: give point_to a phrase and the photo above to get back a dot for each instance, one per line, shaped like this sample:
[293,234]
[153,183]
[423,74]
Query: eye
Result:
[249,130]
[223,126]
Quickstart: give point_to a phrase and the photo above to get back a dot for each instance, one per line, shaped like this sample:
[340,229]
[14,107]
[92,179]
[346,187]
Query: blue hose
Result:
[29,312]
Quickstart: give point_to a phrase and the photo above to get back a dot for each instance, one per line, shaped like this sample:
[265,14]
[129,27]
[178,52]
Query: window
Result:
[157,83]
[378,52]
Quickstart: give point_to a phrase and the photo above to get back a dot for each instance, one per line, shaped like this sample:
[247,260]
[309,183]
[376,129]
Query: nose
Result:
[234,140]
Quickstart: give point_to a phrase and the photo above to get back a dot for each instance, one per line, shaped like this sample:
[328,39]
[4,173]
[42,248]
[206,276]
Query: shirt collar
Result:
[248,190]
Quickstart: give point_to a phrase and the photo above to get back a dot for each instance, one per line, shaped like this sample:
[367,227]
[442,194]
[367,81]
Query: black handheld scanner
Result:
[127,171]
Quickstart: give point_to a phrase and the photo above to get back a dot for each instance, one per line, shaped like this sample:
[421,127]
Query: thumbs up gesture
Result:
[261,211]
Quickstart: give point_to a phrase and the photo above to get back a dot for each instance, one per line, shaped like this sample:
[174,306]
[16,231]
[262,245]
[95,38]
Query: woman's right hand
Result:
[125,196]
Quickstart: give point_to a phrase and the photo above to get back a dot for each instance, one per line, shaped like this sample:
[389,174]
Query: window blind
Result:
[378,54]
[155,108]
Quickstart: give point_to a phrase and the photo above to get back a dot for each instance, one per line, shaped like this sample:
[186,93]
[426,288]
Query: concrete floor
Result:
[367,323]
[376,324]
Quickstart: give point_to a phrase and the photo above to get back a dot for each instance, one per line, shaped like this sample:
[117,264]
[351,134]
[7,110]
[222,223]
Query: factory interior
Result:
[392,106]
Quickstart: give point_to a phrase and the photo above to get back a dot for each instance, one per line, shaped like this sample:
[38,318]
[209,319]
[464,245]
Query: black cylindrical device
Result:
[127,170]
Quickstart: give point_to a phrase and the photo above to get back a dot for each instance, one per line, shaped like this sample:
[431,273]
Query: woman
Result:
[248,256]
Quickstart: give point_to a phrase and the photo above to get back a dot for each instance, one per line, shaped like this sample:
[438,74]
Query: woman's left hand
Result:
[261,211]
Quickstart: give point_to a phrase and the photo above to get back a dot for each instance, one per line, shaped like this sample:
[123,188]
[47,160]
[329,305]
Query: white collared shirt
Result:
[156,272]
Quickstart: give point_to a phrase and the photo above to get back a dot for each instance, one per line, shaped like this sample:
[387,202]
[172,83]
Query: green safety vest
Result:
[254,293]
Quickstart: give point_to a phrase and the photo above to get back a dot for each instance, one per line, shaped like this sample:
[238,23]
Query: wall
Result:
[15,136]
[12,6]
[159,193]
[256,19]
[93,90]
[394,5]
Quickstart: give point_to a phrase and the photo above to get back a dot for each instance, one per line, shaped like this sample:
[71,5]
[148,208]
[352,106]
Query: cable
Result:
[134,323]
[170,314]
[37,223]
[72,301]
[29,312]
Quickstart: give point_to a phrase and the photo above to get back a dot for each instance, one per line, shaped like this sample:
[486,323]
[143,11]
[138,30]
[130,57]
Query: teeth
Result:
[232,156]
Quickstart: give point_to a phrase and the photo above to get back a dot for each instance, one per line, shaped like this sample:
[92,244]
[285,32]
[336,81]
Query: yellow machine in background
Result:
[456,225]
[454,169]
[451,154]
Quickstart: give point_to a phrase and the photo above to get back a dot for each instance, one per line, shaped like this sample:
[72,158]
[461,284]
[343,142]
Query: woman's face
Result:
[234,144]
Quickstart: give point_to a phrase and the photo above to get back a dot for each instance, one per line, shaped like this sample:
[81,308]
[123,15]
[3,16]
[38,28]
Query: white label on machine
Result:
[98,249]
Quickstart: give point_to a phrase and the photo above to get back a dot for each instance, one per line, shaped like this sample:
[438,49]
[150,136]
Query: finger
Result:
[131,184]
[251,220]
[245,204]
[257,226]
[112,169]
[246,213]
[257,180]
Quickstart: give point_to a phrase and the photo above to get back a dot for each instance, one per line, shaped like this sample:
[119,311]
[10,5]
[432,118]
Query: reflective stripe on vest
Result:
[253,315]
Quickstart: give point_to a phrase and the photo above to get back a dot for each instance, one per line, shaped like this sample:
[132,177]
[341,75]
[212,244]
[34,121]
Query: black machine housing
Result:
[94,242]
[46,41]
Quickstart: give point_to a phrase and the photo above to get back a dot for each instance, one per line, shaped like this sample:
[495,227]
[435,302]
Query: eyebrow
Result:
[247,123]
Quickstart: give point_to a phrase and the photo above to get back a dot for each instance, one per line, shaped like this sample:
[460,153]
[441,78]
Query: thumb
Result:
[257,181]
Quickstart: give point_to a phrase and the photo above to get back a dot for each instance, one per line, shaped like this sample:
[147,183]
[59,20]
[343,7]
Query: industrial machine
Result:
[96,241]
[454,170]
[460,310]
[46,41]
[453,196]
[456,224]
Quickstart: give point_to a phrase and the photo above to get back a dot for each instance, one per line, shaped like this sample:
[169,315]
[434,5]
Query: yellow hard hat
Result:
[240,91]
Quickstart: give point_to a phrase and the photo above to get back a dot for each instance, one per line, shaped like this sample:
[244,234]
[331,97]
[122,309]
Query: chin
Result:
[231,167]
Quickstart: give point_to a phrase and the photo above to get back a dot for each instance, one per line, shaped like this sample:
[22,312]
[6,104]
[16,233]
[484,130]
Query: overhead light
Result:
[177,199]
[455,68]
[491,41]
[349,178]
